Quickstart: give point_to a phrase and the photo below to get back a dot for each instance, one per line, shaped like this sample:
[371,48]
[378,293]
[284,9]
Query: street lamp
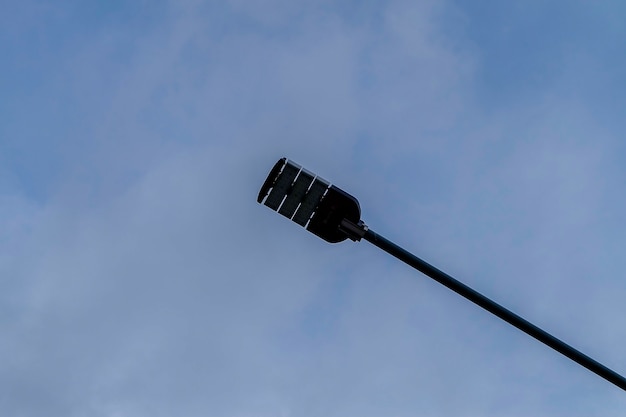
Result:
[334,215]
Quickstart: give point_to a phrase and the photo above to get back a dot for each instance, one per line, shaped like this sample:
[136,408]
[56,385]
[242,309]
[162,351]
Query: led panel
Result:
[282,185]
[310,201]
[296,193]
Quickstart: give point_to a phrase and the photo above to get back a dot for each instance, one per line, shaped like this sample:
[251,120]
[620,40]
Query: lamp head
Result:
[312,202]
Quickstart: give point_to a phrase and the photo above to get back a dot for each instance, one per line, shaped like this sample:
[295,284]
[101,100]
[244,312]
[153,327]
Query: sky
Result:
[140,277]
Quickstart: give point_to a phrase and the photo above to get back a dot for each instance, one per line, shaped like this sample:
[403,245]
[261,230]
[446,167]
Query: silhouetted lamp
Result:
[334,215]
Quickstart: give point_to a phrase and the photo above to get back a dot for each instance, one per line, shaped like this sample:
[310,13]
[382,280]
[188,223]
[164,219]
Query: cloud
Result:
[147,280]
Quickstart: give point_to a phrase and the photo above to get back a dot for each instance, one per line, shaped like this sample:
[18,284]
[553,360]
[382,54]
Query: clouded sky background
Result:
[139,277]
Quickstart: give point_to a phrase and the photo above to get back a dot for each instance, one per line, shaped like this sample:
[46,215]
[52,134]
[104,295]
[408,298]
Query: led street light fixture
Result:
[334,215]
[312,202]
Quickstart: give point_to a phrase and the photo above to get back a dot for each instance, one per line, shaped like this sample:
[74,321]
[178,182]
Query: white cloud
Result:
[152,283]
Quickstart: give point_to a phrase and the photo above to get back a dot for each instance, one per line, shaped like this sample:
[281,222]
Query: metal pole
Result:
[495,308]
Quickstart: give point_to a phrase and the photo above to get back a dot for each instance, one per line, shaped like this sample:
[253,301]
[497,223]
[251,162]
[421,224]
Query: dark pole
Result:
[495,308]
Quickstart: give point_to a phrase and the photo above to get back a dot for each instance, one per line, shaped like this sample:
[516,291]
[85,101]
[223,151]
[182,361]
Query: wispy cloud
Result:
[143,279]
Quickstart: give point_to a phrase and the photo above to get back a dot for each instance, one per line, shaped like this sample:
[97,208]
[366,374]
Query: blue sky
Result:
[141,278]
